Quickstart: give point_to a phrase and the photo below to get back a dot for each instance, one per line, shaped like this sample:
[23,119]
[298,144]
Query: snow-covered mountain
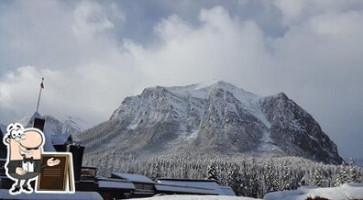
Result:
[359,162]
[53,125]
[210,118]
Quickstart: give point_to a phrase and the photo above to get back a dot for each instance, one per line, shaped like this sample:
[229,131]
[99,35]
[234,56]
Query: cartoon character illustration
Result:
[25,147]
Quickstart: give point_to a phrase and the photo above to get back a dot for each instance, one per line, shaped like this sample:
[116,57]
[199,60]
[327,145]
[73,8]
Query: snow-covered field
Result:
[344,192]
[4,194]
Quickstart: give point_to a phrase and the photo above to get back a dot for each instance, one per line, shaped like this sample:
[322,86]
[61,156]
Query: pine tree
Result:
[317,177]
[253,184]
[212,173]
[285,177]
[254,180]
[156,170]
[352,171]
[270,182]
[342,175]
[234,179]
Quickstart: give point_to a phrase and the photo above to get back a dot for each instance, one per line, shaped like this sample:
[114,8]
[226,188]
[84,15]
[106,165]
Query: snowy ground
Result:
[4,194]
[346,191]
[196,197]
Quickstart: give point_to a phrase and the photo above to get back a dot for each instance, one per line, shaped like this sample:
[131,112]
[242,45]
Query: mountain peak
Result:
[28,119]
[213,117]
[198,86]
[281,95]
[215,84]
[203,90]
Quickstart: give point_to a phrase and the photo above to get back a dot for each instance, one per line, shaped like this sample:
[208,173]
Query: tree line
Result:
[246,175]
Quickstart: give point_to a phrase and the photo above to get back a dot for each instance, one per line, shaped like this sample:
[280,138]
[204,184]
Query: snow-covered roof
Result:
[132,177]
[115,184]
[227,191]
[206,184]
[60,139]
[4,194]
[346,191]
[182,189]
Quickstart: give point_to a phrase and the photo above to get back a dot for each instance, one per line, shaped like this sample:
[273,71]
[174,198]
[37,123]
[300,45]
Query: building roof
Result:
[186,179]
[89,167]
[201,183]
[116,184]
[181,189]
[60,139]
[132,177]
[228,191]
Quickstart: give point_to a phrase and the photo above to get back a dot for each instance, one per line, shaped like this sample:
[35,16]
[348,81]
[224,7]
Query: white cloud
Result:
[191,54]
[19,89]
[104,71]
[172,28]
[90,18]
[72,67]
[296,11]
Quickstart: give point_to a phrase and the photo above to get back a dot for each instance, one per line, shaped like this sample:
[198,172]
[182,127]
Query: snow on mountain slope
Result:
[52,126]
[216,117]
[345,192]
[359,162]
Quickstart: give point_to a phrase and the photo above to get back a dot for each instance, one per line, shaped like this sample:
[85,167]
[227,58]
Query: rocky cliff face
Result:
[296,131]
[210,118]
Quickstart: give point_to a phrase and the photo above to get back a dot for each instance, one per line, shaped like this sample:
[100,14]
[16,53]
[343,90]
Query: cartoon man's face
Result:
[28,143]
[24,163]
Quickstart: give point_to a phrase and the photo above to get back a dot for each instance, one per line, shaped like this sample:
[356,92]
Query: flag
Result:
[42,84]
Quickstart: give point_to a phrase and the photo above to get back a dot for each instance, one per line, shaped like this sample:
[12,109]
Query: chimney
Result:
[77,155]
[39,124]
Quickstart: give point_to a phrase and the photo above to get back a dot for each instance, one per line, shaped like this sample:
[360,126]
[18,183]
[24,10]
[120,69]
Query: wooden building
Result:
[144,187]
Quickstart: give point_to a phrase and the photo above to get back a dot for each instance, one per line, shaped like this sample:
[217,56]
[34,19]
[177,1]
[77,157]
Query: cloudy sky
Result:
[95,53]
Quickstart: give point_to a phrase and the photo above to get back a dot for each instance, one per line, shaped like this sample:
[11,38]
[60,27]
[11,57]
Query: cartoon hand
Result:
[51,162]
[20,171]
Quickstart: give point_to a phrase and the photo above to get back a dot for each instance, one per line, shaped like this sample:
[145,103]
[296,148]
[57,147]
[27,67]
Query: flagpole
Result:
[40,93]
